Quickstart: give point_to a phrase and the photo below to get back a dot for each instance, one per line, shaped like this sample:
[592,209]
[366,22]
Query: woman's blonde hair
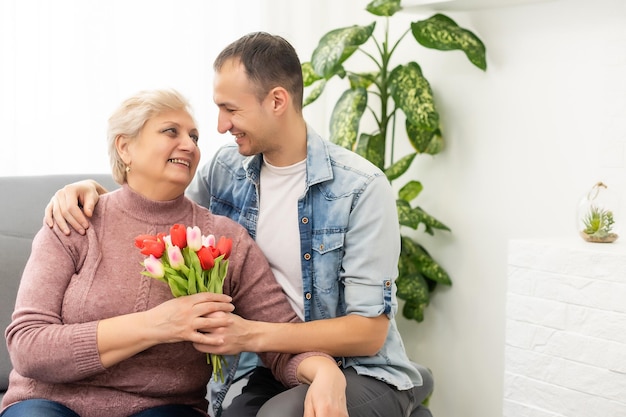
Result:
[132,115]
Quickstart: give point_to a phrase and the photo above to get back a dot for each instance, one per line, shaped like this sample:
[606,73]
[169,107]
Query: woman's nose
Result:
[188,143]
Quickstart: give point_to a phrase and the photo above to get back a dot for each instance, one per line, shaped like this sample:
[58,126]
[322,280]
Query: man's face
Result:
[240,111]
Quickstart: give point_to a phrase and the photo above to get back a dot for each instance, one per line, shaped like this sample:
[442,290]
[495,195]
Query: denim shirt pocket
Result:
[327,248]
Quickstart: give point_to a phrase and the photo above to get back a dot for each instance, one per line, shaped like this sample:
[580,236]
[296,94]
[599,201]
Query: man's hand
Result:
[326,396]
[229,339]
[66,204]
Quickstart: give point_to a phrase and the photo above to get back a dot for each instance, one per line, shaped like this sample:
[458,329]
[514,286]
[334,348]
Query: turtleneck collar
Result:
[139,207]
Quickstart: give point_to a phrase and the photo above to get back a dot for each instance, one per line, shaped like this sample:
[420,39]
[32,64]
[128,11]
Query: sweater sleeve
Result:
[40,344]
[258,296]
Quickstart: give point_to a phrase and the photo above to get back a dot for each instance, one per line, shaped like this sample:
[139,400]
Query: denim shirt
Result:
[349,239]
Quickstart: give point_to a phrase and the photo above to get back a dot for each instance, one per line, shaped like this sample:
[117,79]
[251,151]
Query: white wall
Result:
[524,140]
[67,64]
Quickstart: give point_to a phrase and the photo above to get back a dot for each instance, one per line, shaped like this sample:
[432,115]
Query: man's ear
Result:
[280,99]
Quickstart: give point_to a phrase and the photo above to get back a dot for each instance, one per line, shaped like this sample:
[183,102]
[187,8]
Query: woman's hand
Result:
[175,320]
[65,206]
[182,318]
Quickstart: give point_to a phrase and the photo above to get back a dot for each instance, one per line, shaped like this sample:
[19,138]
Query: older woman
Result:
[92,336]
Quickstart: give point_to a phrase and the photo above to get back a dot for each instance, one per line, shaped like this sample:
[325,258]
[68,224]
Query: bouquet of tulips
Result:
[189,263]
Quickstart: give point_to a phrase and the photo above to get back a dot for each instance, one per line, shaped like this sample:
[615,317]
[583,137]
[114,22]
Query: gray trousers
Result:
[264,396]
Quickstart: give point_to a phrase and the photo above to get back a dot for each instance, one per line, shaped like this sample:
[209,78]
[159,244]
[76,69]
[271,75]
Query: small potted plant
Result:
[596,219]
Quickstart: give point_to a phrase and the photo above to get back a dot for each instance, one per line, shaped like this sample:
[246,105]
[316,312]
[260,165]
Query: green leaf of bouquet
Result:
[192,284]
[177,284]
[162,279]
[442,33]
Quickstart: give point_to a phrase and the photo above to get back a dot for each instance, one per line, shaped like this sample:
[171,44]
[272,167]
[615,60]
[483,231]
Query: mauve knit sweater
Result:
[71,282]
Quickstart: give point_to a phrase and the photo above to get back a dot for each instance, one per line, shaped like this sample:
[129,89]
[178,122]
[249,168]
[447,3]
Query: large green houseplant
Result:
[403,88]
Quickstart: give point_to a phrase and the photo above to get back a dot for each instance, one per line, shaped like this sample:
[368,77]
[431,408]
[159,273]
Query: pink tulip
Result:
[175,257]
[154,267]
[208,241]
[194,238]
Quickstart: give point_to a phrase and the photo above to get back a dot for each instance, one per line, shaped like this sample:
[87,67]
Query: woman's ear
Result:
[122,146]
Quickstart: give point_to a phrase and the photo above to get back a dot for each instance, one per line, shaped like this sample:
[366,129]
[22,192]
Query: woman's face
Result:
[164,157]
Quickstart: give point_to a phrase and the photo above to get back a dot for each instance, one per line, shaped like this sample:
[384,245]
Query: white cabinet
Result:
[565,348]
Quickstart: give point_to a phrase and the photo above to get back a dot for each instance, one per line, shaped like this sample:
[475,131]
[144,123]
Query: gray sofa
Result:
[21,216]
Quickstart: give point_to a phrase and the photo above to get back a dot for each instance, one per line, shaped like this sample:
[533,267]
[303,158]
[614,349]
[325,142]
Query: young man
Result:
[325,219]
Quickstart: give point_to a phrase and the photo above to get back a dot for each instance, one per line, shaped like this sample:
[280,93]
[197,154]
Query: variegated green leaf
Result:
[372,148]
[314,92]
[413,288]
[399,167]
[309,76]
[429,221]
[346,117]
[338,45]
[405,214]
[442,33]
[425,263]
[424,141]
[410,190]
[384,7]
[414,216]
[413,311]
[362,80]
[412,93]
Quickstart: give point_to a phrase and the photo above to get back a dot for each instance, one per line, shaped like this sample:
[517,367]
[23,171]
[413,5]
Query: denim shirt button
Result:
[307,256]
[308,296]
[387,283]
[305,220]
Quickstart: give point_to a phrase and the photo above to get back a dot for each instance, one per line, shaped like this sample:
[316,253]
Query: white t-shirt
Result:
[278,234]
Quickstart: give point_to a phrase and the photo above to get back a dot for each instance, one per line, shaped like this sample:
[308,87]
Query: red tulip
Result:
[225,245]
[150,245]
[139,240]
[178,233]
[207,260]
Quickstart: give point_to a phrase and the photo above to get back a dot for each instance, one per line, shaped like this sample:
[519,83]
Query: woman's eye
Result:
[195,138]
[171,131]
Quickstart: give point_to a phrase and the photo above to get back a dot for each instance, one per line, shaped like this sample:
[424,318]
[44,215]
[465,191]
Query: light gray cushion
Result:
[21,216]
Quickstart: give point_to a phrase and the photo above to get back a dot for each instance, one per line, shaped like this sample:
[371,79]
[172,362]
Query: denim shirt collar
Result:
[318,167]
